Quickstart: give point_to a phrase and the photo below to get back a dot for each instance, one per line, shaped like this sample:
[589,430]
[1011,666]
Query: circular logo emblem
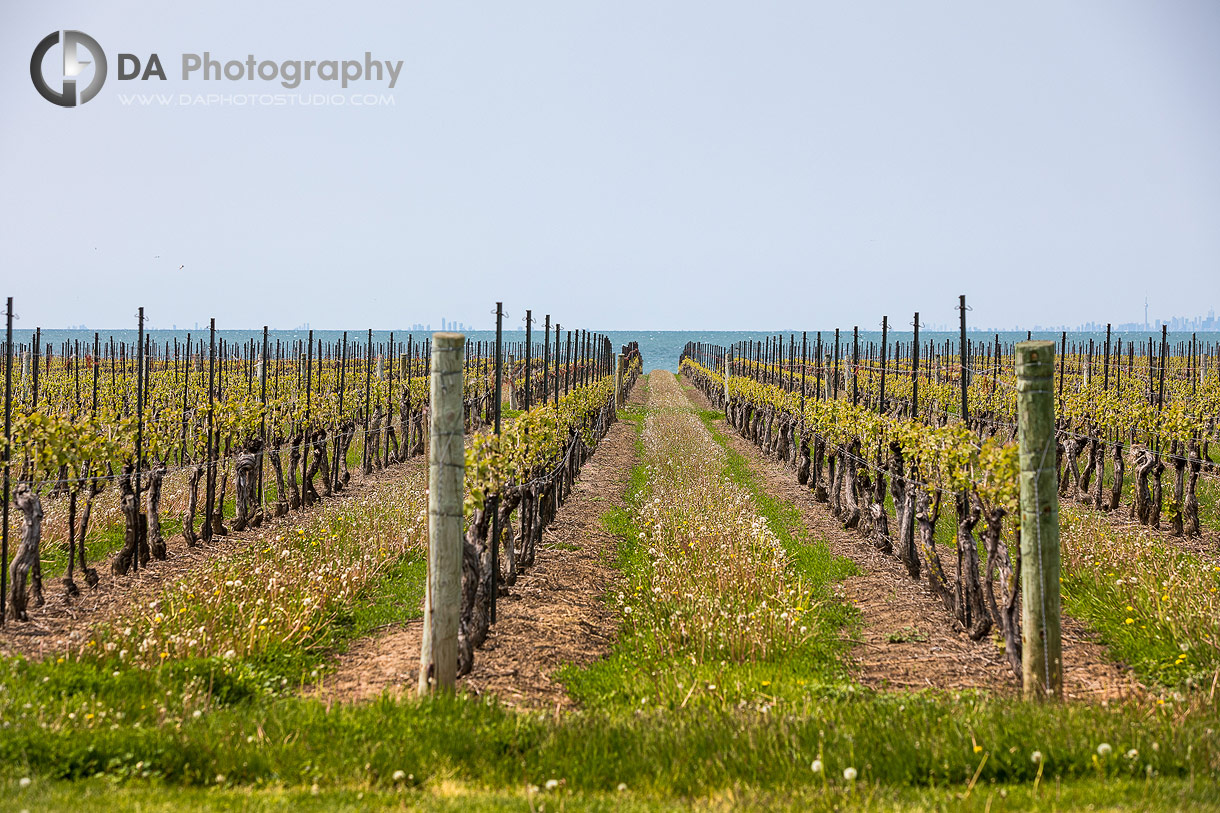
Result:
[66,95]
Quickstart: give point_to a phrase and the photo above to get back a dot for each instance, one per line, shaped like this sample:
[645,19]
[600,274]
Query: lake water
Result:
[660,348]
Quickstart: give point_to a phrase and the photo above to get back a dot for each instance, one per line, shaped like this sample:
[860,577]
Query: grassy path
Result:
[726,599]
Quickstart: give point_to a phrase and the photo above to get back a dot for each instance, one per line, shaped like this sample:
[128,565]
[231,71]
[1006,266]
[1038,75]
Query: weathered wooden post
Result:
[964,361]
[1042,667]
[446,486]
[262,385]
[728,365]
[529,339]
[209,504]
[494,585]
[135,559]
[618,383]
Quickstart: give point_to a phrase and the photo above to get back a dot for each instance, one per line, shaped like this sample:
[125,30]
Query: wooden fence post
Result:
[446,486]
[494,503]
[727,367]
[1042,666]
[618,383]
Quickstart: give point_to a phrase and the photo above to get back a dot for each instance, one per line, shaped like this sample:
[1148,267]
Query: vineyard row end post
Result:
[728,365]
[495,502]
[618,383]
[446,487]
[1042,659]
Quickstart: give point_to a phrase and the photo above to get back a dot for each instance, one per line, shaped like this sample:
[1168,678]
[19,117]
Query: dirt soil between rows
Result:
[906,640]
[556,613]
[63,624]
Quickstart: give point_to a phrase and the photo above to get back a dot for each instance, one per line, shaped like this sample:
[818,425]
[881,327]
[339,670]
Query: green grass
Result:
[1155,607]
[397,597]
[98,545]
[906,634]
[618,521]
[1207,490]
[810,556]
[921,740]
[1114,794]
[102,542]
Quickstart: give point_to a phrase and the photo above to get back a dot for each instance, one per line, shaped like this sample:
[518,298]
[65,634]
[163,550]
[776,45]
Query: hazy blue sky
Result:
[625,165]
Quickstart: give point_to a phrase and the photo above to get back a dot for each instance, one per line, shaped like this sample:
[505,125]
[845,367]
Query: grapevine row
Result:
[1114,414]
[844,454]
[224,416]
[845,423]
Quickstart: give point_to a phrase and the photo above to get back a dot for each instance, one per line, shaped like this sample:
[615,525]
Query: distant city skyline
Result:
[1175,324]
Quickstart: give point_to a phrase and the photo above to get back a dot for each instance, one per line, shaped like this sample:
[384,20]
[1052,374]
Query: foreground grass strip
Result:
[895,740]
[1094,794]
[1155,606]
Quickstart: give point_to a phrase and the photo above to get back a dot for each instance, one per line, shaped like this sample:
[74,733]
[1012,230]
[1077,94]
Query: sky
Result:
[621,165]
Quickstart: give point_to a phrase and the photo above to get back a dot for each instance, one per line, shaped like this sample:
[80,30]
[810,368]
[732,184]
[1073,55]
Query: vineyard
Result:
[239,436]
[808,571]
[844,435]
